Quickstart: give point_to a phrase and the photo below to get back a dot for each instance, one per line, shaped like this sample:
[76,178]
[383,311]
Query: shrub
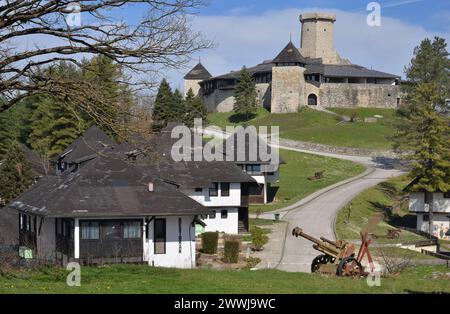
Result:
[209,242]
[231,251]
[259,238]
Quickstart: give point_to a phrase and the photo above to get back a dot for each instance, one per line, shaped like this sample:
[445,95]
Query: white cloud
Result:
[246,39]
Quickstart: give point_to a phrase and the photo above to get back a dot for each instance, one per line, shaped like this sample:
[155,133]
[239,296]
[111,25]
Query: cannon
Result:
[338,257]
[390,234]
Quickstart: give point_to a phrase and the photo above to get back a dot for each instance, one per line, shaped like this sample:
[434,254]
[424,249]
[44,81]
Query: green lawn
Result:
[144,279]
[294,184]
[320,127]
[370,211]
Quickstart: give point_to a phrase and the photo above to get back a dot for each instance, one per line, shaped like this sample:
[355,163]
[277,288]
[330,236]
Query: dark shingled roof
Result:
[290,54]
[199,72]
[265,67]
[350,70]
[93,142]
[237,152]
[106,187]
[191,174]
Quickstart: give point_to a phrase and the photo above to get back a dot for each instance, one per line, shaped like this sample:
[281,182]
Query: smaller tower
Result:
[288,80]
[194,77]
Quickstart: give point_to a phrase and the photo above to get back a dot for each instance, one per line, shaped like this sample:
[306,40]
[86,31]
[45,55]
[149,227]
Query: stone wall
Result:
[288,89]
[358,95]
[222,100]
[194,84]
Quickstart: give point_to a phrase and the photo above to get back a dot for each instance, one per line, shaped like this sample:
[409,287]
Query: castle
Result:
[314,75]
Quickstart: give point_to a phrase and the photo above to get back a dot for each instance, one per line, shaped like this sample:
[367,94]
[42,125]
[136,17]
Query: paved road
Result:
[317,218]
[316,213]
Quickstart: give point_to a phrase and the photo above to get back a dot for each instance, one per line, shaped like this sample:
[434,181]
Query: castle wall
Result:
[358,95]
[288,89]
[222,100]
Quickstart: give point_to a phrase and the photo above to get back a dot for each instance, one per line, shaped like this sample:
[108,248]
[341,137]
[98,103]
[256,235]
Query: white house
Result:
[440,210]
[101,207]
[419,203]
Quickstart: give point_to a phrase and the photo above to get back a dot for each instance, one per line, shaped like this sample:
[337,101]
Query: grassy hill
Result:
[145,279]
[320,127]
[294,184]
[373,210]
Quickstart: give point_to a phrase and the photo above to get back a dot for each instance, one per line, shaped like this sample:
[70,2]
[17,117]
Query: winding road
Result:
[316,213]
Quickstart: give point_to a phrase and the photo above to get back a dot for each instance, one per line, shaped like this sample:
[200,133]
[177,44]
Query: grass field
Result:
[371,211]
[143,279]
[320,127]
[294,184]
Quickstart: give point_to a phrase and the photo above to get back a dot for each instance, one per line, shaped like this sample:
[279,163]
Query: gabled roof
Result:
[290,54]
[93,142]
[347,70]
[249,152]
[106,187]
[199,72]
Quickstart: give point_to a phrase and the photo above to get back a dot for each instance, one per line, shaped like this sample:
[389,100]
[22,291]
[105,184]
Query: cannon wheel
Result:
[349,267]
[319,260]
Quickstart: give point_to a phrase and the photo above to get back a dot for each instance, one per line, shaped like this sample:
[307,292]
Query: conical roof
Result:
[289,54]
[199,72]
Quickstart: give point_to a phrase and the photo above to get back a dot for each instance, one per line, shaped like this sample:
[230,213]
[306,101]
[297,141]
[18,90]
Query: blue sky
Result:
[246,32]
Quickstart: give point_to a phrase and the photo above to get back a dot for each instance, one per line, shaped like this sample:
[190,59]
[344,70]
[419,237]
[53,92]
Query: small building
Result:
[102,208]
[217,185]
[420,203]
[247,156]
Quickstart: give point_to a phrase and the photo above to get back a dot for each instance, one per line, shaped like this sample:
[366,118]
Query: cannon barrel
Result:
[321,246]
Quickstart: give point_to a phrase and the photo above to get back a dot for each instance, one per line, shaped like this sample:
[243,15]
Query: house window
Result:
[160,236]
[111,230]
[428,197]
[132,229]
[447,194]
[212,215]
[225,189]
[224,214]
[198,190]
[426,217]
[253,168]
[90,231]
[214,191]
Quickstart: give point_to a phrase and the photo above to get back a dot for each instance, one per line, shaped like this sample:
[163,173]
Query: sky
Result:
[246,32]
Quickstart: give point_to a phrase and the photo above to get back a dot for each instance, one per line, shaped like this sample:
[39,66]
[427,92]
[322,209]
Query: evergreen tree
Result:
[195,108]
[162,108]
[178,109]
[9,131]
[15,175]
[245,102]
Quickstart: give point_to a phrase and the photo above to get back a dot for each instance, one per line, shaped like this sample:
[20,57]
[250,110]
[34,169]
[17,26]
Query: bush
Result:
[231,251]
[209,242]
[259,238]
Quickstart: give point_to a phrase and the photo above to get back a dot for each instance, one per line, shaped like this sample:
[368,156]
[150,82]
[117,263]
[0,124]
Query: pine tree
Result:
[162,107]
[178,108]
[195,109]
[245,102]
[9,130]
[15,175]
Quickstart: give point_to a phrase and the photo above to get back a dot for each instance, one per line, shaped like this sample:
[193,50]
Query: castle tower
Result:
[194,77]
[288,81]
[318,37]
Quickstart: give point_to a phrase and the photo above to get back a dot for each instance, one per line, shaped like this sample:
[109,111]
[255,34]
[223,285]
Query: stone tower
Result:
[318,37]
[288,81]
[194,77]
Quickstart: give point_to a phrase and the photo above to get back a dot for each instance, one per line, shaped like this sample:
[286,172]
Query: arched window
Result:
[312,100]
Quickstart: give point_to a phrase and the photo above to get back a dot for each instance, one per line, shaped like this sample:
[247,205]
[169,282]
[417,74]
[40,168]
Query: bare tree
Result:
[162,38]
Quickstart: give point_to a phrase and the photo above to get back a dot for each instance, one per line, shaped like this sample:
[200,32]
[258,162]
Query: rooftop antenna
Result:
[199,59]
[290,37]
